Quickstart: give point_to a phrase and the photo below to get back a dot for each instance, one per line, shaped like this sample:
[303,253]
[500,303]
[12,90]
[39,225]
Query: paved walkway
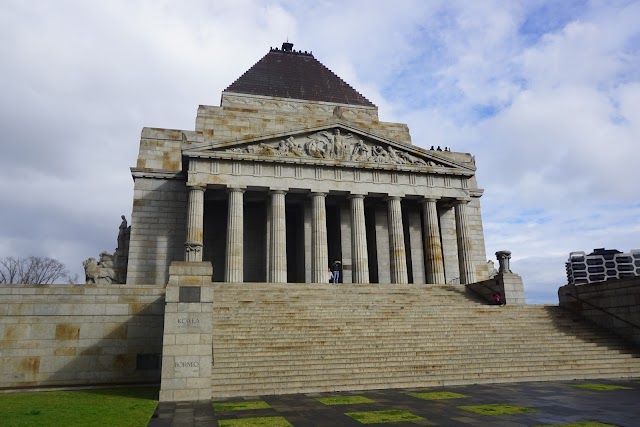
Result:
[554,403]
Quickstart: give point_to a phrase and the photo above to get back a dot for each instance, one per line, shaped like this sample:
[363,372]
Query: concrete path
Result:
[554,403]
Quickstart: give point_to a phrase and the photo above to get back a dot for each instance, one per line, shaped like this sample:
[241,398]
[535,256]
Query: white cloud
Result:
[545,94]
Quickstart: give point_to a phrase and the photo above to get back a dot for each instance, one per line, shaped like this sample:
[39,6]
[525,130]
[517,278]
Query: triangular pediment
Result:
[334,144]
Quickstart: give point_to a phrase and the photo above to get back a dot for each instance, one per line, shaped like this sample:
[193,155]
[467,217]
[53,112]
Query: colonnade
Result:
[277,266]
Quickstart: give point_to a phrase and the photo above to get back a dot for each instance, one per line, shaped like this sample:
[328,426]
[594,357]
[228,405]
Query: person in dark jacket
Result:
[335,271]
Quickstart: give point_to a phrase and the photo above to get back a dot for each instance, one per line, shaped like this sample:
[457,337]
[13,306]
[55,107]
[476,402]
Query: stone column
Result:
[435,264]
[278,235]
[465,247]
[319,248]
[195,220]
[359,256]
[396,241]
[234,261]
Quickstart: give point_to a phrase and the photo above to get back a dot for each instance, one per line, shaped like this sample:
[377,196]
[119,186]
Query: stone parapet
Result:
[69,335]
[508,285]
[614,305]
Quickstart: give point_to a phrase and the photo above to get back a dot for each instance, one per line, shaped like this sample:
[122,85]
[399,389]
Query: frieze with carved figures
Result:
[334,146]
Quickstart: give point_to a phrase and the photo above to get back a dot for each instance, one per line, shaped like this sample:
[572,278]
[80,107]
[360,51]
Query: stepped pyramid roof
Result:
[286,73]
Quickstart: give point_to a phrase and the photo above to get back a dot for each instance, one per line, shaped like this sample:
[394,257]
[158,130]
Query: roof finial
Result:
[287,47]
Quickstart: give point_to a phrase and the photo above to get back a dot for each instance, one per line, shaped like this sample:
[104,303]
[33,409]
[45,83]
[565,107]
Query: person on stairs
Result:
[335,271]
[497,300]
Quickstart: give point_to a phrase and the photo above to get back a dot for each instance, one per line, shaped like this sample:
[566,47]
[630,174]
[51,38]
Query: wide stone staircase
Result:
[292,338]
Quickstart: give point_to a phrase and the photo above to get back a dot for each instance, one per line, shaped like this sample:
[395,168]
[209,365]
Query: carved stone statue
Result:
[111,268]
[99,273]
[122,231]
[491,267]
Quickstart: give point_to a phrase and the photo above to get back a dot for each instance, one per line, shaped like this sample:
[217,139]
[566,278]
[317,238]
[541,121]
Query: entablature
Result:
[338,144]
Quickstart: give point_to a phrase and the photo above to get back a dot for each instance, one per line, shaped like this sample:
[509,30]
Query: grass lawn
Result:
[581,424]
[108,407]
[373,417]
[344,400]
[240,406]
[438,395]
[256,422]
[497,409]
[601,387]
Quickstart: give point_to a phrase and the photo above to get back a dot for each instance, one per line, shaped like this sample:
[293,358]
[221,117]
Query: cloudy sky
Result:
[545,94]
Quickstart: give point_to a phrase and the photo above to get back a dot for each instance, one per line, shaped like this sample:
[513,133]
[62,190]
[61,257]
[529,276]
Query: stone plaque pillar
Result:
[278,236]
[234,262]
[319,248]
[187,351]
[465,256]
[359,254]
[195,219]
[396,241]
[435,264]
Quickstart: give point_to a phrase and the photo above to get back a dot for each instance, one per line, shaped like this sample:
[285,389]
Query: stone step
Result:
[304,385]
[370,352]
[272,339]
[417,339]
[469,363]
[390,371]
[400,375]
[430,338]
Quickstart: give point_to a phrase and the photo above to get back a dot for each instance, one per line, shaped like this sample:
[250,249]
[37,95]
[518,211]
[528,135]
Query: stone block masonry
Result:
[61,335]
[614,305]
[158,228]
[187,345]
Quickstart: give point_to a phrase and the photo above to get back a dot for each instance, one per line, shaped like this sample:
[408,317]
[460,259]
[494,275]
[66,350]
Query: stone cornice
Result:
[157,173]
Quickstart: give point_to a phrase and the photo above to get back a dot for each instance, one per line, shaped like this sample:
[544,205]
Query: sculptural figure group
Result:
[111,268]
[336,146]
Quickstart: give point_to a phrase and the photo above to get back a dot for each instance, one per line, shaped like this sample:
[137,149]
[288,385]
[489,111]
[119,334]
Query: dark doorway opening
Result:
[254,232]
[407,241]
[370,226]
[215,236]
[295,243]
[334,236]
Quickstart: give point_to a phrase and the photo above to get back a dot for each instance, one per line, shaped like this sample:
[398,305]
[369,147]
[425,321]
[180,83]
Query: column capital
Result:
[277,191]
[196,187]
[236,189]
[393,197]
[318,193]
[460,201]
[356,196]
[429,199]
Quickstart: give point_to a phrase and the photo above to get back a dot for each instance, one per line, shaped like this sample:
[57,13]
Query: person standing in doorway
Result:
[335,271]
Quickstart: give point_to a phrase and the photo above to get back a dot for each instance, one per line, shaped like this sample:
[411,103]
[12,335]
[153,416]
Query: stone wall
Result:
[620,298]
[245,116]
[508,285]
[158,229]
[56,335]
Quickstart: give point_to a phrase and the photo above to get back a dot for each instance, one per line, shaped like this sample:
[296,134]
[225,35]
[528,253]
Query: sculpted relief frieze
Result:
[334,146]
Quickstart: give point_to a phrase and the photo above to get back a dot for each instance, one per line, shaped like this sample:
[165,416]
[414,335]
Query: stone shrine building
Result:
[295,170]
